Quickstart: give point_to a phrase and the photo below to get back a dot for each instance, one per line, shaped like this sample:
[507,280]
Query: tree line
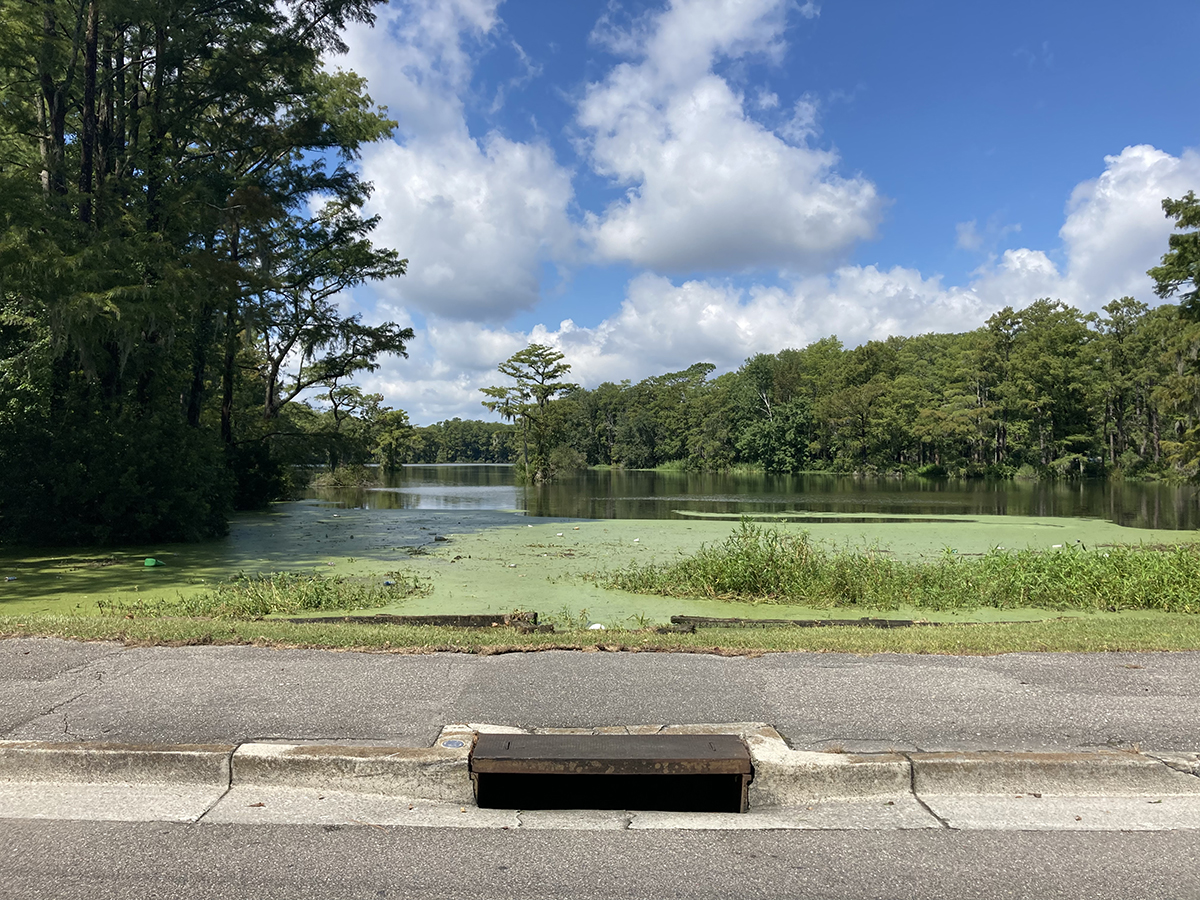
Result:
[1046,390]
[179,213]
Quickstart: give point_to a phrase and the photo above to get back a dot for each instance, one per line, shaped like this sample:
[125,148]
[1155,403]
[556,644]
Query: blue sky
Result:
[650,184]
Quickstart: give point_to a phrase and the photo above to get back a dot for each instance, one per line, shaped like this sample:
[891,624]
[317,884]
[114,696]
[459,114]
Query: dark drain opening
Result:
[672,793]
[676,772]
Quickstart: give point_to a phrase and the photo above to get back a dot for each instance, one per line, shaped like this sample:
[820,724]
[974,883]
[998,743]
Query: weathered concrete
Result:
[381,784]
[976,812]
[109,802]
[1101,773]
[88,763]
[432,773]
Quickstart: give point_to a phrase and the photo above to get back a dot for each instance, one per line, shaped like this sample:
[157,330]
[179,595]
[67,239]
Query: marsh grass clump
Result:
[279,593]
[756,564]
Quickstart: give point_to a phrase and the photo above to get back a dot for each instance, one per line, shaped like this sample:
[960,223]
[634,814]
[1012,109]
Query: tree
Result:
[537,371]
[1181,264]
[178,208]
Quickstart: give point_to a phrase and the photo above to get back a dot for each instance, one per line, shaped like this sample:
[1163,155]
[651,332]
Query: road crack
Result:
[912,786]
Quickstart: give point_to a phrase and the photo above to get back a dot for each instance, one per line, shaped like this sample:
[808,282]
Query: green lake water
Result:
[486,544]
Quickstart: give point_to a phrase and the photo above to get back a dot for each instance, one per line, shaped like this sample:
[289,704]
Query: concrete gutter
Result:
[432,785]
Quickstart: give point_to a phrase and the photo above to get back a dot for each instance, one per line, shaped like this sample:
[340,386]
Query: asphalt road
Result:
[65,860]
[60,690]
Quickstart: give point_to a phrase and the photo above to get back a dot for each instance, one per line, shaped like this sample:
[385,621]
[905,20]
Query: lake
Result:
[623,494]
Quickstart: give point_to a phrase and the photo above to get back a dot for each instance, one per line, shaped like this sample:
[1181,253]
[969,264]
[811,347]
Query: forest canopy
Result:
[179,210]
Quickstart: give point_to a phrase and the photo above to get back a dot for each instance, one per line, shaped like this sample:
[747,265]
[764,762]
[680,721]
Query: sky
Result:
[647,185]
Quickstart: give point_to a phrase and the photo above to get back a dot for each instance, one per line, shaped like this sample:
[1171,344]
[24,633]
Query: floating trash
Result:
[560,534]
[637,540]
[388,583]
[151,561]
[596,626]
[512,565]
[14,577]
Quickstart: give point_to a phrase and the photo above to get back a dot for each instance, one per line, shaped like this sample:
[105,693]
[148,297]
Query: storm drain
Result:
[675,772]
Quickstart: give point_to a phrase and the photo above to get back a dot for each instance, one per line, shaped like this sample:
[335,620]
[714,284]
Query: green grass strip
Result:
[1132,632]
[760,565]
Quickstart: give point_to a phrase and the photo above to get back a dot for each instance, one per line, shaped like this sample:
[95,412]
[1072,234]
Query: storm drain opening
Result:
[672,772]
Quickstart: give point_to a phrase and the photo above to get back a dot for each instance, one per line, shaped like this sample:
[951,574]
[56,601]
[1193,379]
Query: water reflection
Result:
[620,494]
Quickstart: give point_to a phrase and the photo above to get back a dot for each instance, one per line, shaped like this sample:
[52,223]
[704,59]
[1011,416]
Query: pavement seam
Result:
[224,793]
[912,786]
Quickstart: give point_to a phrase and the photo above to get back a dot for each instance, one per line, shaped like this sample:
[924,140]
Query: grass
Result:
[1135,632]
[279,593]
[758,565]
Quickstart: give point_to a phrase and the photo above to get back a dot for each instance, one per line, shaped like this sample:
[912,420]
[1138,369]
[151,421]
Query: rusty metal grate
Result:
[686,772]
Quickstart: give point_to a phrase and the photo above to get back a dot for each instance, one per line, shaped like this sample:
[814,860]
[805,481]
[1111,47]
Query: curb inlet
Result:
[676,772]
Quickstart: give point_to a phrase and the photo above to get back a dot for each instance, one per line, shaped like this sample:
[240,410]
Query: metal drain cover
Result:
[611,754]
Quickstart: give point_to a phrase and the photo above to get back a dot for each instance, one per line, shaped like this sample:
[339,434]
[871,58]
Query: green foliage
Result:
[1045,390]
[766,565]
[281,593]
[1180,268]
[179,209]
[537,371]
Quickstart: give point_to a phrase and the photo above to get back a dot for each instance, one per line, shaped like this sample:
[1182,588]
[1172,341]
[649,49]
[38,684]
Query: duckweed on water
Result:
[279,593]
[758,565]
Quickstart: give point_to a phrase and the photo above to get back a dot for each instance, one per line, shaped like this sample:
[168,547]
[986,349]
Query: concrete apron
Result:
[362,784]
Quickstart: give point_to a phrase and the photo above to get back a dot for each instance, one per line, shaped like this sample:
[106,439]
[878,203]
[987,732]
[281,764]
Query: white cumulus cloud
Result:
[709,187]
[476,217]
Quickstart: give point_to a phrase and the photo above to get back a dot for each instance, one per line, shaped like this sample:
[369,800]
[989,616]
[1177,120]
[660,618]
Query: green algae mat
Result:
[495,561]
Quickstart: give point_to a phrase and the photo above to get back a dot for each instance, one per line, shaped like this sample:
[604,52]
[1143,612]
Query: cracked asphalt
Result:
[61,690]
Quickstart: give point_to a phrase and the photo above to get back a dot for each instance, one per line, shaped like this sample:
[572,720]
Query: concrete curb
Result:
[439,772]
[1109,773]
[782,777]
[87,763]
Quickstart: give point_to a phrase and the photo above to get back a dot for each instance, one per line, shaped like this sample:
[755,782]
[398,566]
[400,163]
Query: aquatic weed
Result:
[765,565]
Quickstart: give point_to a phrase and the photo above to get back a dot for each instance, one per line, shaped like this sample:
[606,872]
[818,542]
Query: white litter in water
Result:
[512,565]
[637,540]
[560,534]
[596,626]
[1056,546]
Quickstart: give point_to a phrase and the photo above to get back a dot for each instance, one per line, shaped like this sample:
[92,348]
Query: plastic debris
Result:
[14,577]
[151,561]
[388,583]
[637,540]
[560,534]
[512,565]
[596,626]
